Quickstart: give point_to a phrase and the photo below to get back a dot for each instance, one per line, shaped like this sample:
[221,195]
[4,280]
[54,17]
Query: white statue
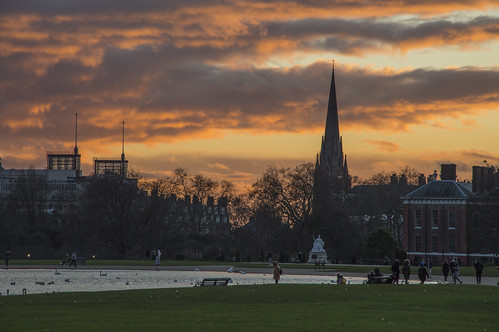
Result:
[317,254]
[318,244]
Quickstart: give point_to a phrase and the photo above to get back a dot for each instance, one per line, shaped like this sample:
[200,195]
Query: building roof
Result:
[447,189]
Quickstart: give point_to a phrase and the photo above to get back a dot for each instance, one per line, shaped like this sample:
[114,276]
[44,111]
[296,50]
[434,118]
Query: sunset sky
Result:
[226,88]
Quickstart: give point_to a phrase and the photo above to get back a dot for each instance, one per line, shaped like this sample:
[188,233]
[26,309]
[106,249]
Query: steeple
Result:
[332,126]
[331,164]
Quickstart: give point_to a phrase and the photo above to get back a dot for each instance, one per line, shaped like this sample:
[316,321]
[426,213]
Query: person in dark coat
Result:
[7,258]
[396,271]
[422,273]
[406,270]
[277,272]
[445,269]
[478,271]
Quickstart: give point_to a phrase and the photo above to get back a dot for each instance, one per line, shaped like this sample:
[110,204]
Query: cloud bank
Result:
[200,69]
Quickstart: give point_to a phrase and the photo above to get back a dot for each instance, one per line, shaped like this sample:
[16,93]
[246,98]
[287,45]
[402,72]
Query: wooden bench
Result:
[215,282]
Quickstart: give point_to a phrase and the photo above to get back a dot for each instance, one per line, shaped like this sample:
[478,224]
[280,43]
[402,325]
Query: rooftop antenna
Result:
[76,135]
[75,156]
[122,168]
[123,143]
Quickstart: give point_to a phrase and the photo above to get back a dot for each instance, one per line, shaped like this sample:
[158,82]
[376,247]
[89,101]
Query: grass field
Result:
[260,308]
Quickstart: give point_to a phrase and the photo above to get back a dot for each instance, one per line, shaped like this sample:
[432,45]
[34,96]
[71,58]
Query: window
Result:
[475,220]
[452,219]
[418,243]
[434,219]
[452,244]
[434,243]
[417,220]
[475,245]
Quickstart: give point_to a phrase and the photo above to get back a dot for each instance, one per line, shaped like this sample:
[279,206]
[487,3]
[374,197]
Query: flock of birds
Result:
[42,283]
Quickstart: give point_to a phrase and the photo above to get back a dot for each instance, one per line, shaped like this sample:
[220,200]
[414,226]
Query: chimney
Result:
[421,180]
[448,172]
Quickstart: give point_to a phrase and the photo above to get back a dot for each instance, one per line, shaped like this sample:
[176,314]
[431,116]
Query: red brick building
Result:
[445,219]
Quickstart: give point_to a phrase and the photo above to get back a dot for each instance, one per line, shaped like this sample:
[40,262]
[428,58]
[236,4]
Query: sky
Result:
[227,88]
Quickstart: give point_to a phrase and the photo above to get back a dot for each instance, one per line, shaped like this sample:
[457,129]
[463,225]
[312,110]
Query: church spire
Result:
[331,160]
[332,126]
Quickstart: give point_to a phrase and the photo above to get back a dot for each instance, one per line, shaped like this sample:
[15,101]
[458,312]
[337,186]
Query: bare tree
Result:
[30,195]
[202,187]
[118,212]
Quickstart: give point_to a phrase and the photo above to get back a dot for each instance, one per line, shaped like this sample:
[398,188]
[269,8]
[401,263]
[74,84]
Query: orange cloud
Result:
[384,145]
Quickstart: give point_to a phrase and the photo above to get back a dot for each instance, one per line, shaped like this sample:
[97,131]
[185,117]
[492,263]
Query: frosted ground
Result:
[37,281]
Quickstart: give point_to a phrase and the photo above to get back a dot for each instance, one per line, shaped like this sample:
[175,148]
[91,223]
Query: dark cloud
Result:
[174,70]
[88,7]
[359,35]
[156,82]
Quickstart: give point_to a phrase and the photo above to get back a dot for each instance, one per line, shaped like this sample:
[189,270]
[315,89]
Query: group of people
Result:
[406,271]
[69,259]
[425,271]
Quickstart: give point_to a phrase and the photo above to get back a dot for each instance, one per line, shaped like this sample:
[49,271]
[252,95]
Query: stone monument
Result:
[317,254]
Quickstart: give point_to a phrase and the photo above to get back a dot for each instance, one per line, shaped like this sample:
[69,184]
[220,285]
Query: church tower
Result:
[331,167]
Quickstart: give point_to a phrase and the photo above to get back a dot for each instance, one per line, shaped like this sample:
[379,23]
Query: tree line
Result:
[129,217]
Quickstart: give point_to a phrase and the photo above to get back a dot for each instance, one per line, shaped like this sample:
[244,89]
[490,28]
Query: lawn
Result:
[262,307]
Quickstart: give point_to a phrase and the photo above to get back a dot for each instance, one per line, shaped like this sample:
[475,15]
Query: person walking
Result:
[478,271]
[422,273]
[445,269]
[396,271]
[454,267]
[277,271]
[7,258]
[429,265]
[406,270]
[73,259]
[158,259]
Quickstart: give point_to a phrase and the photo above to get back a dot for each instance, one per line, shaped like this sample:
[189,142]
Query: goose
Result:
[57,272]
[102,274]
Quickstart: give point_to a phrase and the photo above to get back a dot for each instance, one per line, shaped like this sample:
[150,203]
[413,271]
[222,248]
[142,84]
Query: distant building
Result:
[61,186]
[190,215]
[379,205]
[445,219]
[103,166]
[56,191]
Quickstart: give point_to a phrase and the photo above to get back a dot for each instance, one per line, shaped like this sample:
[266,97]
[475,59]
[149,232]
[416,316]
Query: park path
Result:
[469,280]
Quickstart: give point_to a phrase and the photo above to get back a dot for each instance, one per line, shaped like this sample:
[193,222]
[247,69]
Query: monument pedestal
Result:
[314,257]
